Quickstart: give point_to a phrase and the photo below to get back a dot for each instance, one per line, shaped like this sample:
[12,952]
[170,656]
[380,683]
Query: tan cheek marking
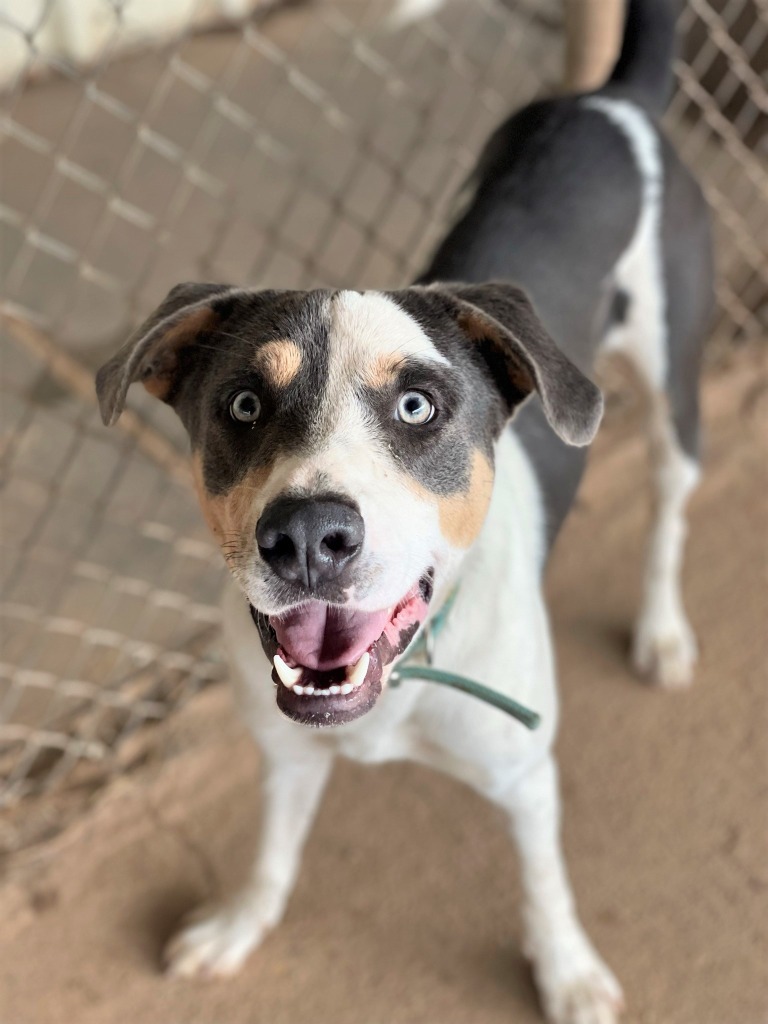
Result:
[228,516]
[462,515]
[161,362]
[280,361]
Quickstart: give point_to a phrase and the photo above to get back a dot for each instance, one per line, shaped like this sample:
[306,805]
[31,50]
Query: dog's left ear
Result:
[151,354]
[521,357]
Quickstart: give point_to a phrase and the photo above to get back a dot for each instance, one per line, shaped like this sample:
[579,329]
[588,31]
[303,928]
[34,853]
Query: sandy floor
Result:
[406,910]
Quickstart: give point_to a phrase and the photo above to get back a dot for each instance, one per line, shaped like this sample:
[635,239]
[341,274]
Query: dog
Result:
[361,456]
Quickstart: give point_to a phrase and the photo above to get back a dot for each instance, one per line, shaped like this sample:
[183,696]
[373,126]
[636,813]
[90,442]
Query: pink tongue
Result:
[322,637]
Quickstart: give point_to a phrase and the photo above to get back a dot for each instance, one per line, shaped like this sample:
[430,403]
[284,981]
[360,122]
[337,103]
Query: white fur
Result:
[639,270]
[365,325]
[664,645]
[443,729]
[407,12]
[83,31]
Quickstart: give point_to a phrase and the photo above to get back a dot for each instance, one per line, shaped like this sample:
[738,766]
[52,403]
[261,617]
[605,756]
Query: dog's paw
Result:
[591,998]
[665,651]
[575,985]
[213,943]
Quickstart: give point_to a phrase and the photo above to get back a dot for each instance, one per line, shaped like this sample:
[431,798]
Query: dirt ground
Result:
[406,910]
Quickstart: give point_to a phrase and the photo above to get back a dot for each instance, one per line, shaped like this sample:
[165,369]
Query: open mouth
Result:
[328,660]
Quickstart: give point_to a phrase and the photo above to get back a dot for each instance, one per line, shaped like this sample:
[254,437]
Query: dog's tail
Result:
[644,67]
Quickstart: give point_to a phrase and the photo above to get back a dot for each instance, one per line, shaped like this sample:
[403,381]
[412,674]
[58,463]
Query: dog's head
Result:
[343,452]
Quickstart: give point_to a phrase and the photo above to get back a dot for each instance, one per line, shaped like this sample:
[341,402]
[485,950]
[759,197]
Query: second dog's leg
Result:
[575,985]
[664,644]
[218,939]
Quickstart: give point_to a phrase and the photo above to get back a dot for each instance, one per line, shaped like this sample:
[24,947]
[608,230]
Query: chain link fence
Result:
[295,145]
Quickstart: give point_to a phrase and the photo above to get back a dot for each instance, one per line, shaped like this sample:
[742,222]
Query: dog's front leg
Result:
[217,940]
[575,985]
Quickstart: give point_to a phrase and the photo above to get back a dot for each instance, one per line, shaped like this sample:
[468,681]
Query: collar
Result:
[423,646]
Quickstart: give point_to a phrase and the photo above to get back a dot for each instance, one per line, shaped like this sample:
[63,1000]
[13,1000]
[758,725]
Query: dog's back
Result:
[583,202]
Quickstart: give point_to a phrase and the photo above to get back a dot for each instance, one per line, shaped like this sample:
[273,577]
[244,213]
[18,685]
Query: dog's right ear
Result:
[151,354]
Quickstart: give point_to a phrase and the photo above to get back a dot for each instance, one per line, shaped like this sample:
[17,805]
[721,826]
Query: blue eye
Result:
[414,408]
[245,407]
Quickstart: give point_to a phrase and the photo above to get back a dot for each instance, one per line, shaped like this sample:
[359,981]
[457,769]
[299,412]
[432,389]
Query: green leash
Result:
[424,644]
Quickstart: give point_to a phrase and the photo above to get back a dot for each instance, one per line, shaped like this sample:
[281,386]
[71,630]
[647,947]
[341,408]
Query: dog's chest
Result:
[496,633]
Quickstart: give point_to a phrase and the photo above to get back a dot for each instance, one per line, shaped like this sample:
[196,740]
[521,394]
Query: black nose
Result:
[309,541]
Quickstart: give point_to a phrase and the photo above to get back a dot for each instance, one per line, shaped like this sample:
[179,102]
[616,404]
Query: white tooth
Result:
[321,693]
[298,689]
[358,672]
[334,689]
[346,688]
[287,674]
[309,689]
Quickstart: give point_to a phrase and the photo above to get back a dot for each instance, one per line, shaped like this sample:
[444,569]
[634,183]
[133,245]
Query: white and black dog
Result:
[354,459]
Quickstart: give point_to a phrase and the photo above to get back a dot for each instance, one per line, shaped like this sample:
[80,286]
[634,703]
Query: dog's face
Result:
[343,453]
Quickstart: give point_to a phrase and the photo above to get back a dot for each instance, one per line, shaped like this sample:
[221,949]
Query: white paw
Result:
[593,999]
[575,985]
[665,651]
[214,942]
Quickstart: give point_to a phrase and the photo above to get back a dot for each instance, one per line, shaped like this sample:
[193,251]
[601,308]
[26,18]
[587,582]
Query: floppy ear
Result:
[151,354]
[521,356]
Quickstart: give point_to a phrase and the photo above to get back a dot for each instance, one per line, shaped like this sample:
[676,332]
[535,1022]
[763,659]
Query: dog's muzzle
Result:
[329,661]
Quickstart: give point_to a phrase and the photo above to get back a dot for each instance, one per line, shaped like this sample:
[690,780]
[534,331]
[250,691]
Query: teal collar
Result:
[424,644]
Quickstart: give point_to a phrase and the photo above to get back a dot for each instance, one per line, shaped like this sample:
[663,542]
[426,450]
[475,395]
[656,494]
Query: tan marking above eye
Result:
[228,516]
[381,371]
[462,514]
[279,361]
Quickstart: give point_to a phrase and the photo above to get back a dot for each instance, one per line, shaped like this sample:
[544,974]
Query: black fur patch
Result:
[620,306]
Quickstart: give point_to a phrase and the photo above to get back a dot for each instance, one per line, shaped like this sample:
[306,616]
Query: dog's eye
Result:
[245,407]
[415,408]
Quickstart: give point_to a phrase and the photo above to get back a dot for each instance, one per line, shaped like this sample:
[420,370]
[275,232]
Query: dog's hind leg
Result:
[662,335]
[664,645]
[575,986]
[662,305]
[217,940]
